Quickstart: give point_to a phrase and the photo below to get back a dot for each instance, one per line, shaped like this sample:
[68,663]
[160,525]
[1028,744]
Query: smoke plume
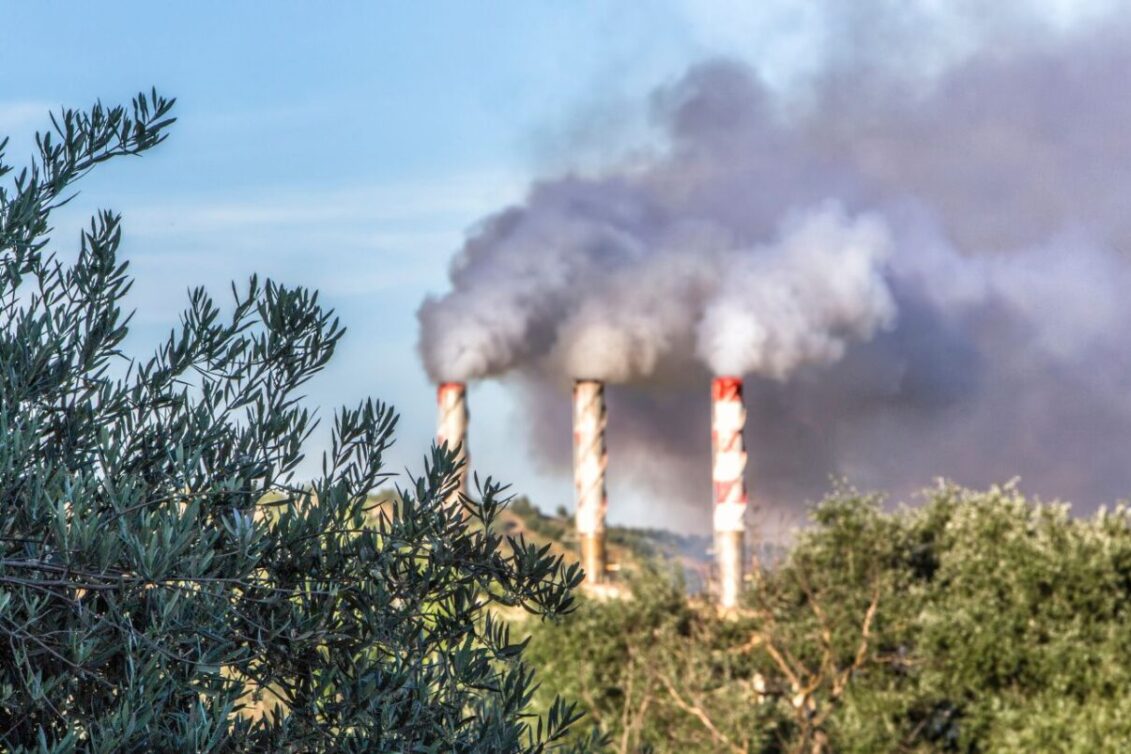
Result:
[800,300]
[920,277]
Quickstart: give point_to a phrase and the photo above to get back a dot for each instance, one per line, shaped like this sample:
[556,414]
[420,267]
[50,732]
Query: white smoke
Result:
[514,282]
[920,277]
[801,300]
[599,302]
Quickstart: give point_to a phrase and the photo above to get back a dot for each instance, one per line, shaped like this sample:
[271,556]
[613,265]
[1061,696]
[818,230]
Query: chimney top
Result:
[450,387]
[726,388]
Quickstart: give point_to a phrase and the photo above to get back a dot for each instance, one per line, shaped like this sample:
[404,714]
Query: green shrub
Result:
[977,622]
[166,582]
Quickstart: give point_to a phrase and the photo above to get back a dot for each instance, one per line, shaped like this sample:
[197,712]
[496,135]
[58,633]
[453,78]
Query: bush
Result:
[978,622]
[166,583]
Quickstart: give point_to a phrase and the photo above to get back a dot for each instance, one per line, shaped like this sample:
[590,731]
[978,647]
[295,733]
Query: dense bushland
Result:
[167,583]
[977,622]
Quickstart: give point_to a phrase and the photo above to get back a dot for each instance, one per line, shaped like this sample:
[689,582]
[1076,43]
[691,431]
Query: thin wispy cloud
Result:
[421,201]
[345,241]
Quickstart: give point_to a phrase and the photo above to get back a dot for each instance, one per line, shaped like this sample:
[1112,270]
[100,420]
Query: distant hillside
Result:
[627,547]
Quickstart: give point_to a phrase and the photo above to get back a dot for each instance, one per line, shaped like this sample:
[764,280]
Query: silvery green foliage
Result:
[166,582]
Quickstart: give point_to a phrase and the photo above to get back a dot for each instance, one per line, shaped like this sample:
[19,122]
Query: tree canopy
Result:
[167,580]
[975,622]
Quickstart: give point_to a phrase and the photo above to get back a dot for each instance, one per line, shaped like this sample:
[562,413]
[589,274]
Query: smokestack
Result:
[728,418]
[451,426]
[589,463]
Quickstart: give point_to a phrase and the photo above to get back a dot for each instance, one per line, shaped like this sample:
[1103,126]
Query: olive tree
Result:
[168,582]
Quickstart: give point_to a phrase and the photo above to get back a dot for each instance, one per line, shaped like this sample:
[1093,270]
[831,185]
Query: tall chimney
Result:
[451,426]
[589,463]
[728,418]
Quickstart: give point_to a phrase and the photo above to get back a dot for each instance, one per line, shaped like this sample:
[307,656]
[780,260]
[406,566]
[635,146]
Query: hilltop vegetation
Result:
[629,549]
[978,622]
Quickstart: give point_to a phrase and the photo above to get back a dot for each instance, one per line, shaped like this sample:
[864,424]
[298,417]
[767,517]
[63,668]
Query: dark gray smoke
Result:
[920,278]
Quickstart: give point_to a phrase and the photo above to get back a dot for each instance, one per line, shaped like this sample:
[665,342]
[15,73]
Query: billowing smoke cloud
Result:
[920,277]
[798,302]
[618,298]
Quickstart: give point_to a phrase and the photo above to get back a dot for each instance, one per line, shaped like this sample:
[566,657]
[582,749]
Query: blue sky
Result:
[349,146]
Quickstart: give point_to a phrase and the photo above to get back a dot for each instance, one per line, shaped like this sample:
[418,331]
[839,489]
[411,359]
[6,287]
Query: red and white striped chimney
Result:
[728,472]
[451,426]
[589,463]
